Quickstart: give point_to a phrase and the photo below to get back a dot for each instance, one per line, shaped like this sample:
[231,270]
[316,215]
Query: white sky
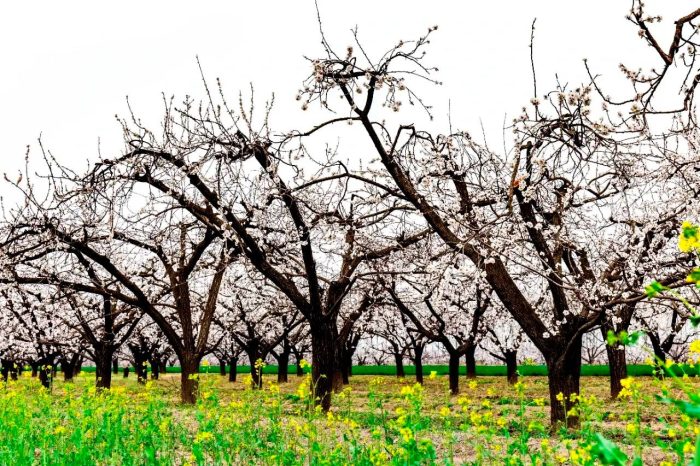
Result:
[68,66]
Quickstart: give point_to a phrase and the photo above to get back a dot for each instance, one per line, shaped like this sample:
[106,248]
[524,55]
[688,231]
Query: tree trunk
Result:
[103,374]
[35,369]
[189,380]
[617,362]
[345,372]
[155,370]
[9,370]
[126,372]
[45,375]
[300,370]
[256,374]
[325,375]
[115,366]
[283,367]
[398,360]
[68,370]
[222,367]
[103,360]
[454,373]
[564,380]
[659,360]
[233,369]
[511,366]
[470,361]
[418,363]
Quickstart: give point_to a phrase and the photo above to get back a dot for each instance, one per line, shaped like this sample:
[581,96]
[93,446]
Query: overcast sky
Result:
[68,66]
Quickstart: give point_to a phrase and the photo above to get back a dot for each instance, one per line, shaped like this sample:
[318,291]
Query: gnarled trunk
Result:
[659,359]
[233,369]
[103,359]
[564,375]
[255,370]
[325,376]
[454,373]
[470,362]
[283,367]
[617,362]
[398,360]
[103,374]
[511,358]
[155,370]
[189,380]
[45,375]
[418,363]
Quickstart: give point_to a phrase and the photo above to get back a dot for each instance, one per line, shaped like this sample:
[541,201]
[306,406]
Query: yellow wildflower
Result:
[689,239]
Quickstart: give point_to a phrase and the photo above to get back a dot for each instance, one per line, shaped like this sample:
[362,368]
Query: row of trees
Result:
[216,220]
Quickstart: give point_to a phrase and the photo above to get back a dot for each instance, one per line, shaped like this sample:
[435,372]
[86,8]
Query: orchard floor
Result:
[376,420]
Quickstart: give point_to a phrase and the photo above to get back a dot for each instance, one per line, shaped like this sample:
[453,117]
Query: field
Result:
[375,420]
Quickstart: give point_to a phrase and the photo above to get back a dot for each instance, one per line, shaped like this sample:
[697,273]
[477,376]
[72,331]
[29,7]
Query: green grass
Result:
[602,370]
[375,421]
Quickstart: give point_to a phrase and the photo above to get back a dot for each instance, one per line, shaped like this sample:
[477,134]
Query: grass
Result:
[589,370]
[376,420]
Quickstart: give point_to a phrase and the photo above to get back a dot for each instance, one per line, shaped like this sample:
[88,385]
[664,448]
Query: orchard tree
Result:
[97,234]
[311,236]
[445,302]
[535,209]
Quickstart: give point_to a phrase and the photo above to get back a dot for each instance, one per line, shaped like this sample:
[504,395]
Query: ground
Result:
[375,420]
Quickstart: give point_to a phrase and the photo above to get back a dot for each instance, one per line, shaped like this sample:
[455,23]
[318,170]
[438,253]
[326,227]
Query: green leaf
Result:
[694,276]
[654,288]
[608,452]
[611,338]
[695,319]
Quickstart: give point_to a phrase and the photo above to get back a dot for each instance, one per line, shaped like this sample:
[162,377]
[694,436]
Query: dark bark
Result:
[511,358]
[104,358]
[68,371]
[564,380]
[115,366]
[325,375]
[470,361]
[9,370]
[140,361]
[141,372]
[617,362]
[617,358]
[345,370]
[189,380]
[155,370]
[103,374]
[659,362]
[233,369]
[256,374]
[418,363]
[126,372]
[283,367]
[454,373]
[222,367]
[45,375]
[398,360]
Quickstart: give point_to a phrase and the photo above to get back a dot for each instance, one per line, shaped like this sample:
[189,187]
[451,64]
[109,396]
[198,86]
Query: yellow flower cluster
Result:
[689,238]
